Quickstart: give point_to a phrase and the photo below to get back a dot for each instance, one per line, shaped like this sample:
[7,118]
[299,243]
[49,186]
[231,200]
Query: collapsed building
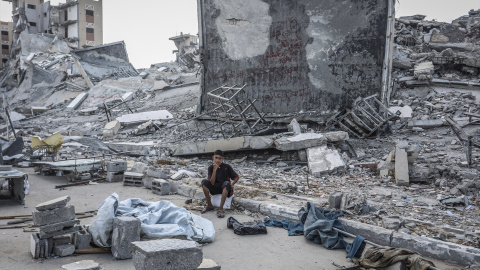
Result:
[303,104]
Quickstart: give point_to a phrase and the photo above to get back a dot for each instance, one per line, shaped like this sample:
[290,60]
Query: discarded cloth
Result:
[318,226]
[246,228]
[380,257]
[161,219]
[294,228]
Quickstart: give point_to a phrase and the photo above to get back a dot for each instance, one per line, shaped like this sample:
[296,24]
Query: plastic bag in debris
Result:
[102,226]
[161,219]
[246,228]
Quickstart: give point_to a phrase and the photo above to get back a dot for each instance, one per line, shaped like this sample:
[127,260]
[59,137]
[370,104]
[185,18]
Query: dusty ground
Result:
[276,250]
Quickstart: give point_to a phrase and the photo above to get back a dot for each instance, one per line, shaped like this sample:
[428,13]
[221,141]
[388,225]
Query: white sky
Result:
[146,28]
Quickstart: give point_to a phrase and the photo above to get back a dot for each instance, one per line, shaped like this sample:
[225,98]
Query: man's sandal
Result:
[207,209]
[220,213]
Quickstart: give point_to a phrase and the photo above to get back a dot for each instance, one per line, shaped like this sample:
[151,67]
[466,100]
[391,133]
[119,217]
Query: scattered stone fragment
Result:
[52,204]
[82,265]
[54,216]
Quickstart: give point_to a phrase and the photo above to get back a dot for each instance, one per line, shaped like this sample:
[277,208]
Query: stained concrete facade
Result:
[80,22]
[6,38]
[306,55]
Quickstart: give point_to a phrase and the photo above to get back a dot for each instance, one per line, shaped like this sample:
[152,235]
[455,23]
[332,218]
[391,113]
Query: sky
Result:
[146,28]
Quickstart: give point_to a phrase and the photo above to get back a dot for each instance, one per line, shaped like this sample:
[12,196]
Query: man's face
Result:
[217,159]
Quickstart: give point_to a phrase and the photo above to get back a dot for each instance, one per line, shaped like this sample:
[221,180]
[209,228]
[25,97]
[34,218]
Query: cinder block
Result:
[61,228]
[166,254]
[54,216]
[82,239]
[133,179]
[64,250]
[125,231]
[160,187]
[335,200]
[61,240]
[115,176]
[52,204]
[116,166]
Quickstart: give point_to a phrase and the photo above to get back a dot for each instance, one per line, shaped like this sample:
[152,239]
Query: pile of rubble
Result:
[438,53]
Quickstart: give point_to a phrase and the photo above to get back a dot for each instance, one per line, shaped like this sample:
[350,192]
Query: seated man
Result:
[219,175]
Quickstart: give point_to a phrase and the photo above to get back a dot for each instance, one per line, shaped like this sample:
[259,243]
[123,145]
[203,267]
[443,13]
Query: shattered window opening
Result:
[31,6]
[4,33]
[33,23]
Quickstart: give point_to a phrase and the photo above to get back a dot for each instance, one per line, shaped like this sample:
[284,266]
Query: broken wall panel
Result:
[306,55]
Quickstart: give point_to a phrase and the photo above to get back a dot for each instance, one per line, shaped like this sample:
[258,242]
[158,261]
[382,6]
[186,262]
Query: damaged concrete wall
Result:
[115,49]
[304,55]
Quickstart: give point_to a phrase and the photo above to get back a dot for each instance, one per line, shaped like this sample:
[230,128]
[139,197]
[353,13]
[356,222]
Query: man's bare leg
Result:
[206,192]
[224,197]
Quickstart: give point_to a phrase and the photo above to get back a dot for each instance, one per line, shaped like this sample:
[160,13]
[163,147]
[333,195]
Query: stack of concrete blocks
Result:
[55,220]
[125,231]
[154,173]
[133,179]
[166,254]
[116,170]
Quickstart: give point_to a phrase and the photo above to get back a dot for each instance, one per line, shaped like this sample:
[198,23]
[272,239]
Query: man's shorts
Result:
[214,189]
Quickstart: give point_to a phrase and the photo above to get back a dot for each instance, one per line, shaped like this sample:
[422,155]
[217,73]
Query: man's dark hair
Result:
[218,152]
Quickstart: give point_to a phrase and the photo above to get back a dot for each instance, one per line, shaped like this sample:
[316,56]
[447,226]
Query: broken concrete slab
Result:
[405,111]
[160,85]
[111,128]
[59,228]
[82,265]
[137,118]
[232,144]
[301,141]
[52,204]
[187,191]
[401,167]
[322,161]
[64,250]
[125,231]
[426,123]
[77,102]
[54,216]
[166,254]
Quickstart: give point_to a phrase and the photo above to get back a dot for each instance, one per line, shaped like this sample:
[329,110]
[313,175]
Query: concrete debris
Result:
[323,160]
[401,167]
[125,231]
[64,250]
[208,264]
[166,254]
[82,265]
[52,204]
[136,118]
[423,71]
[82,239]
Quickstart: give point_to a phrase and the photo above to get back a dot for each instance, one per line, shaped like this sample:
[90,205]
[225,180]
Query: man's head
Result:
[218,157]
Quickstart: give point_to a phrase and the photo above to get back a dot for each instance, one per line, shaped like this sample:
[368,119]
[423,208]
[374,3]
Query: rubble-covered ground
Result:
[436,76]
